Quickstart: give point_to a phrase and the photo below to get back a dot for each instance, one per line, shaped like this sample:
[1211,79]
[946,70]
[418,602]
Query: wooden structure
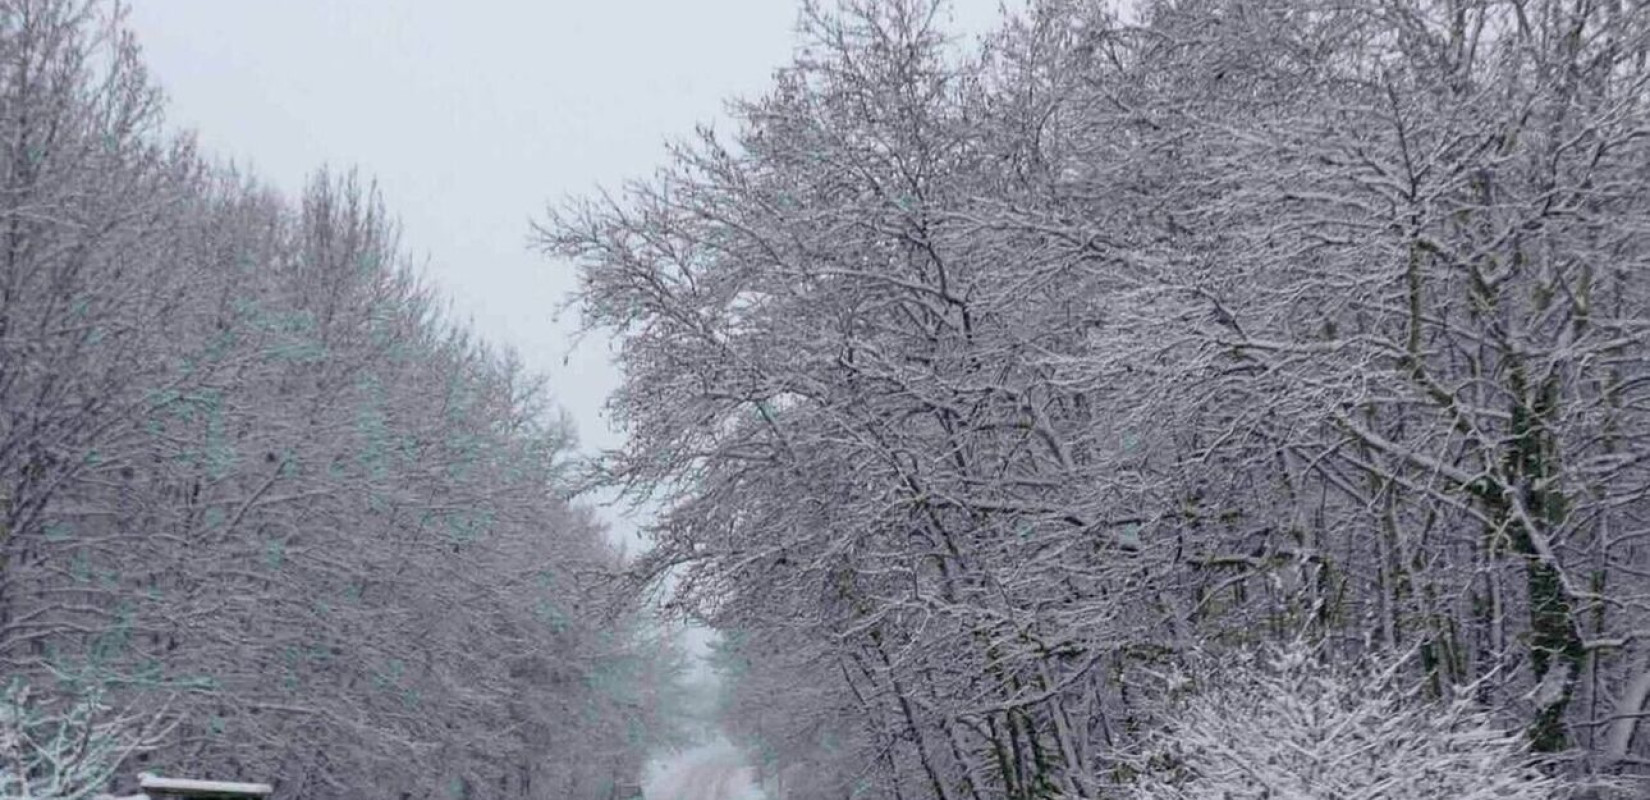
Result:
[155,787]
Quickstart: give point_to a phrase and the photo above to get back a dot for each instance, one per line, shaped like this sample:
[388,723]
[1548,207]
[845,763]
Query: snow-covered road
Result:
[712,772]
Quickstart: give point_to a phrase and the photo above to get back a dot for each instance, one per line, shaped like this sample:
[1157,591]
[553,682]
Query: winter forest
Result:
[1161,400]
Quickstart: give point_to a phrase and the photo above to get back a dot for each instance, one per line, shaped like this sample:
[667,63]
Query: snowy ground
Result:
[712,772]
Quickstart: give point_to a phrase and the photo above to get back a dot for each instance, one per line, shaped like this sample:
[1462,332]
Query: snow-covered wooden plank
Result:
[185,787]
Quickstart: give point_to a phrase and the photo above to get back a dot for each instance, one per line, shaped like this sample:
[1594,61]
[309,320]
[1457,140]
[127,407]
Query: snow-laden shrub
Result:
[63,749]
[1280,725]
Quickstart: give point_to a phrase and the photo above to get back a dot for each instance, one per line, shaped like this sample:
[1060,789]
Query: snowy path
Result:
[713,772]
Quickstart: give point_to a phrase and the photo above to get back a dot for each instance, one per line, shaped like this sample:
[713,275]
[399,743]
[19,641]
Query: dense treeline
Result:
[256,491]
[1008,404]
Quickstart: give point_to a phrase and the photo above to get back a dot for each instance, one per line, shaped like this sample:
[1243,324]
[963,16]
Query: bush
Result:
[1277,724]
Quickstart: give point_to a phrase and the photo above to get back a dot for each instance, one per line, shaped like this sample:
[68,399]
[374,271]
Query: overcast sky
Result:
[472,116]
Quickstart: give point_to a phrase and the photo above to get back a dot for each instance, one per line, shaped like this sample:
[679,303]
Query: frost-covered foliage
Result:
[980,384]
[1284,725]
[65,748]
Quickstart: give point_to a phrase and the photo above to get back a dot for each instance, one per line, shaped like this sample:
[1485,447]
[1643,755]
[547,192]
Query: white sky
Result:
[472,116]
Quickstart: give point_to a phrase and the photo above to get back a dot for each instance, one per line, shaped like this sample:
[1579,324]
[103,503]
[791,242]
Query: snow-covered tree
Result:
[251,475]
[1279,723]
[66,748]
[977,385]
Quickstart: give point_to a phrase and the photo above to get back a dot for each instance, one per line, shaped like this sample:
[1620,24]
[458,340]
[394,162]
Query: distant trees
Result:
[982,387]
[252,481]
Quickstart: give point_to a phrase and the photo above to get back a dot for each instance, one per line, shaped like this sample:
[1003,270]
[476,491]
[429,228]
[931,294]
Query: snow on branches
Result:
[65,748]
[1283,723]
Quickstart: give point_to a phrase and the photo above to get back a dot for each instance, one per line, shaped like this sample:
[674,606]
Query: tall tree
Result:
[982,388]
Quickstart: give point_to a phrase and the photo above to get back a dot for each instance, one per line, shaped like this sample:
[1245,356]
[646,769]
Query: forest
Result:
[1186,399]
[264,514]
[1160,400]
